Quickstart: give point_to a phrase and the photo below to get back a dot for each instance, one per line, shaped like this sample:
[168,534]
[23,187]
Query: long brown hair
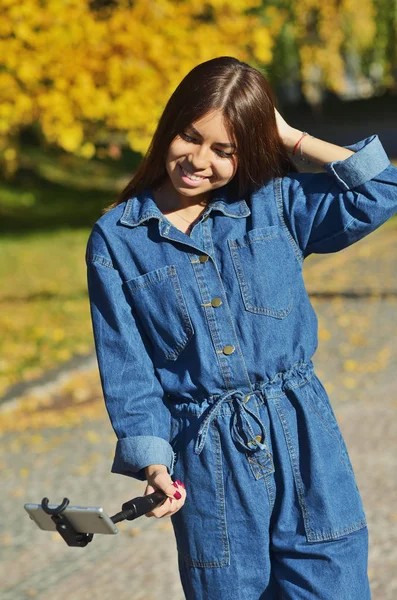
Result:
[246,101]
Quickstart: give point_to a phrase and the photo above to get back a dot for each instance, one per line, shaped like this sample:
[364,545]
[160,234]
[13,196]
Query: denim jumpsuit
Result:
[204,345]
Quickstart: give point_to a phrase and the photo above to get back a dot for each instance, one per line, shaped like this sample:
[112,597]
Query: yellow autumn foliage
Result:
[85,74]
[327,31]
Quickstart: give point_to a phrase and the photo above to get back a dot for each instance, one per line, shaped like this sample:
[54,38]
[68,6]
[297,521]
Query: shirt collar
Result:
[143,207]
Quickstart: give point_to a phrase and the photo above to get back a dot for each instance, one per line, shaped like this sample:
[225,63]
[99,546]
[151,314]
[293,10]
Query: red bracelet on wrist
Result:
[298,142]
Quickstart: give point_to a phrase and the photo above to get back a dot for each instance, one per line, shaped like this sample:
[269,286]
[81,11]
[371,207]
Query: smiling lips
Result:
[191,176]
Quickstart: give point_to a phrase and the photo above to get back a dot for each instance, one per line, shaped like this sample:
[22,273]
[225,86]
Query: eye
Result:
[190,139]
[224,154]
[186,137]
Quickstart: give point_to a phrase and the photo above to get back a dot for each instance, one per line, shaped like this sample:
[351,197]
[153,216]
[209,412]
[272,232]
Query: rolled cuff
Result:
[133,454]
[369,159]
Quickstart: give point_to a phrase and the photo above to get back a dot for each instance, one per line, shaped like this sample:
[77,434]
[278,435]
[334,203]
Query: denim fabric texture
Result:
[204,345]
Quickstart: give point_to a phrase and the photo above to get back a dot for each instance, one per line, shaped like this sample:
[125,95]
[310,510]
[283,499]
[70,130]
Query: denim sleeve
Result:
[132,392]
[326,212]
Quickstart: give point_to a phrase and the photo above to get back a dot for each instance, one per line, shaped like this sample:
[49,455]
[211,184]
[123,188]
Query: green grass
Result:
[44,317]
[56,191]
[34,204]
[46,214]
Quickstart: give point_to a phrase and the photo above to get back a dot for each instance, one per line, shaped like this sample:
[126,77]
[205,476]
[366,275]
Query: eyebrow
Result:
[217,143]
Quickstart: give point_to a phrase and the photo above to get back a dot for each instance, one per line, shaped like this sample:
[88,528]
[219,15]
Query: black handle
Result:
[139,506]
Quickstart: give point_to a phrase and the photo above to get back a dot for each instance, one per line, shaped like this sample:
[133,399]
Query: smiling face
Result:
[200,159]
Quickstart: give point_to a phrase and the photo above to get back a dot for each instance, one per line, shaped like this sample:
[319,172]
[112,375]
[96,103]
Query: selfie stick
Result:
[130,510]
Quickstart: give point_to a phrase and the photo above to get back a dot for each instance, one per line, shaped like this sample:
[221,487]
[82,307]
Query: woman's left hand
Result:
[288,134]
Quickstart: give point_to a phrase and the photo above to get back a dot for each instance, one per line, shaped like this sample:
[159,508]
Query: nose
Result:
[199,158]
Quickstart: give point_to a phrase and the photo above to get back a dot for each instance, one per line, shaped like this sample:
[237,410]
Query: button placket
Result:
[220,324]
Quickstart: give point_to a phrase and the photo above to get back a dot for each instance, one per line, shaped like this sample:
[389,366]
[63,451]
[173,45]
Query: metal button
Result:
[228,349]
[247,398]
[203,258]
[216,302]
[258,438]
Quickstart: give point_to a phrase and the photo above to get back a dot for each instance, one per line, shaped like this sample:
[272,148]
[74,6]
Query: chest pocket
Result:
[262,263]
[158,299]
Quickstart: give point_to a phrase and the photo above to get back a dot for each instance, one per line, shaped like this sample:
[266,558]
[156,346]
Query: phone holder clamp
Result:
[64,527]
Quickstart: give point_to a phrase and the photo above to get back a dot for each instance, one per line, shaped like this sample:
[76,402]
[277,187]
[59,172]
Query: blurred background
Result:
[82,86]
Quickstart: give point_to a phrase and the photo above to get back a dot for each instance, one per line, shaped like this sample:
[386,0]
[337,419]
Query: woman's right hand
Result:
[159,479]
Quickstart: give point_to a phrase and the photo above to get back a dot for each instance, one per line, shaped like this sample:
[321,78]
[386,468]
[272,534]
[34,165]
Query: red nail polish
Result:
[174,483]
[170,499]
[178,495]
[183,485]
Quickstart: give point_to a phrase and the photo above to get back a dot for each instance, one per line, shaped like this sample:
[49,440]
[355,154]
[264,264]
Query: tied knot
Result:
[242,417]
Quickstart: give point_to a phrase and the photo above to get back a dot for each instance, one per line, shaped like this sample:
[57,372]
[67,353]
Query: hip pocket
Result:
[159,303]
[262,262]
[324,479]
[200,525]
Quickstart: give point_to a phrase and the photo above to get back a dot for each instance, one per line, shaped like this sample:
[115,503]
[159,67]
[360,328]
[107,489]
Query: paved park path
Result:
[58,442]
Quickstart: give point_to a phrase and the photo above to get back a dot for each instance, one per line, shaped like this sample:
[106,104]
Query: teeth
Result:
[192,177]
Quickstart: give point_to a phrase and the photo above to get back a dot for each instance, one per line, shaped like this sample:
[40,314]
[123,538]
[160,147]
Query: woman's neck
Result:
[168,200]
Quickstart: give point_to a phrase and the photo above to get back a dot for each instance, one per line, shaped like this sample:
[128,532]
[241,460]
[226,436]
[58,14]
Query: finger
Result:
[149,490]
[175,490]
[172,504]
[168,508]
[171,489]
[161,510]
[156,511]
[173,507]
[169,513]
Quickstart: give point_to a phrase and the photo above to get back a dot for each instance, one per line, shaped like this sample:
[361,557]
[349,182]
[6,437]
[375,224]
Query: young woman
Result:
[205,335]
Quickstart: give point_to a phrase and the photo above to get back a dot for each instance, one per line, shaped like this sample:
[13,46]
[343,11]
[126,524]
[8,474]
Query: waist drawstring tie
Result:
[241,412]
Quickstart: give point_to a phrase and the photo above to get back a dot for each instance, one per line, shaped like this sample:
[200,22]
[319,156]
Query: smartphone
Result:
[84,519]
